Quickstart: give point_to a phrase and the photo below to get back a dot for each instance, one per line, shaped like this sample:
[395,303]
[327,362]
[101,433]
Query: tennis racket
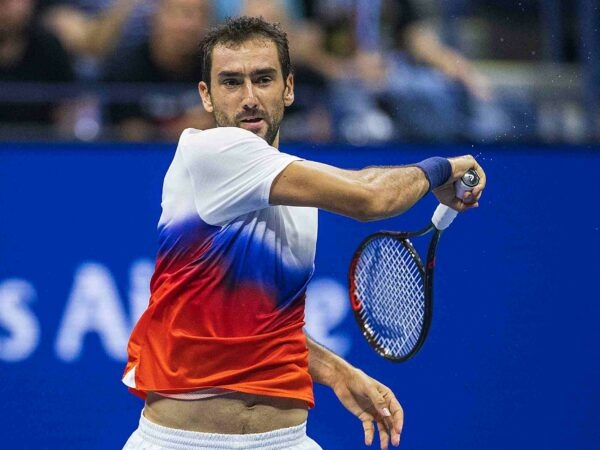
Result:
[391,290]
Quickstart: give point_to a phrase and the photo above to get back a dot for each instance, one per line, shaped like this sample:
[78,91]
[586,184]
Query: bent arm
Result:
[368,194]
[372,193]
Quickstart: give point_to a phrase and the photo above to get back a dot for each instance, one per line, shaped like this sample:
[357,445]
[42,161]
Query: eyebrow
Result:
[255,73]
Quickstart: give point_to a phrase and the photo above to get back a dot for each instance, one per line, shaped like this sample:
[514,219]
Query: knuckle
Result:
[380,400]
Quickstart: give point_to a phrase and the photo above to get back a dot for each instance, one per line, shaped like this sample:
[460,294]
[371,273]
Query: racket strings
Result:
[390,286]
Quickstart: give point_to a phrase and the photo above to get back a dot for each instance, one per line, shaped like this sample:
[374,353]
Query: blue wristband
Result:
[437,170]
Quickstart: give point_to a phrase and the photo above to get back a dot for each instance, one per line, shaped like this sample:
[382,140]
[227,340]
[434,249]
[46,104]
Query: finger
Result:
[397,424]
[477,190]
[475,196]
[397,418]
[384,437]
[460,165]
[392,404]
[458,205]
[471,201]
[482,176]
[468,197]
[369,430]
[377,398]
[389,429]
[477,193]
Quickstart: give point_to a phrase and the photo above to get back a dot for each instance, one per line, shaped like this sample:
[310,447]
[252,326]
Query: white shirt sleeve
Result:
[232,170]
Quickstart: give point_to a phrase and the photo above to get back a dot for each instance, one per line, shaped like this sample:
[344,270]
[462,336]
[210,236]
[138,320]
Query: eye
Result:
[230,82]
[265,80]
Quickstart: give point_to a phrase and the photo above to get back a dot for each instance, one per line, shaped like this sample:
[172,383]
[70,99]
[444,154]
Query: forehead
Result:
[250,55]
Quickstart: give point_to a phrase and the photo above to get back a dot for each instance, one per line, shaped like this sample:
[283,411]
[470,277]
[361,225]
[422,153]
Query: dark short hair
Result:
[239,30]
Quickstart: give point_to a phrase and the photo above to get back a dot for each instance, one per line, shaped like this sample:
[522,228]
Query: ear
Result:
[205,96]
[288,92]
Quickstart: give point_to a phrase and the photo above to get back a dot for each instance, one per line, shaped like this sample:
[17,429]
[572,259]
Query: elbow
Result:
[366,218]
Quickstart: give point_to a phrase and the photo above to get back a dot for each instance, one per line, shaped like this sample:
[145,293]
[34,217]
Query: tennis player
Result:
[220,355]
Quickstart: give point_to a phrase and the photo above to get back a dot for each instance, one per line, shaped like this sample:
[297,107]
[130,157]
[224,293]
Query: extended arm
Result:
[363,396]
[368,194]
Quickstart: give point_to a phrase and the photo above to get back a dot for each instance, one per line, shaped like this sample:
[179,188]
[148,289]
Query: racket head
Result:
[391,295]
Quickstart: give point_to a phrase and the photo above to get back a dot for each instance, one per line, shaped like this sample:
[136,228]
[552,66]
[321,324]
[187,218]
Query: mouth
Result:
[252,120]
[254,124]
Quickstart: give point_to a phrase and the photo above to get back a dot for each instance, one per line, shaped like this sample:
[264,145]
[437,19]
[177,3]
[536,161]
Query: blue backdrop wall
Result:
[512,360]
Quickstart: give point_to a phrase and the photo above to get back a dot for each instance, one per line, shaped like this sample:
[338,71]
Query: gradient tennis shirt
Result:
[227,295]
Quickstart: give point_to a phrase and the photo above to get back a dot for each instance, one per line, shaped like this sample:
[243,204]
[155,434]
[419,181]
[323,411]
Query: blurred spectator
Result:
[168,56]
[28,53]
[366,71]
[91,30]
[402,69]
[449,98]
[87,31]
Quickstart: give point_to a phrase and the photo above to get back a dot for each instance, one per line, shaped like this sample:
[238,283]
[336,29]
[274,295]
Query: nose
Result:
[249,101]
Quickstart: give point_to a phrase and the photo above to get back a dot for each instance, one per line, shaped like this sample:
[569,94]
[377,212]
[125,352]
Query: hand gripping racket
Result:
[391,291]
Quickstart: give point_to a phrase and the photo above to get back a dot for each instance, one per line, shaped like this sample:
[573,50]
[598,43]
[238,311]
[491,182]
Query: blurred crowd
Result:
[367,71]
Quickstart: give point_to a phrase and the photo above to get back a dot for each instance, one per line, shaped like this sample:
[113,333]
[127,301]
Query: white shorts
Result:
[150,436]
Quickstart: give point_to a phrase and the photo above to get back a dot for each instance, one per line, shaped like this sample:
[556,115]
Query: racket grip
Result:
[466,184]
[443,217]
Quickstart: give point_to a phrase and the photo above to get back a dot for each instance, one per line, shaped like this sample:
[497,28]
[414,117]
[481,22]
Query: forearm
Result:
[368,194]
[395,189]
[323,364]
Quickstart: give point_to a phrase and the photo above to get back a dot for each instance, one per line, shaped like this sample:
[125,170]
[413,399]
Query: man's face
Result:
[247,88]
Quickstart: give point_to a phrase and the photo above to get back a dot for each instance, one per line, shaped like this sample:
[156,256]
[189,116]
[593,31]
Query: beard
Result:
[273,121]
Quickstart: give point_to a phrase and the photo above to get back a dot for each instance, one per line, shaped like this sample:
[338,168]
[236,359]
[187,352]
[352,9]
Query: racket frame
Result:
[426,270]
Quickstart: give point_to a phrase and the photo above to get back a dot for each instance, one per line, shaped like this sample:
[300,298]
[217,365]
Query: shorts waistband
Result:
[175,438]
